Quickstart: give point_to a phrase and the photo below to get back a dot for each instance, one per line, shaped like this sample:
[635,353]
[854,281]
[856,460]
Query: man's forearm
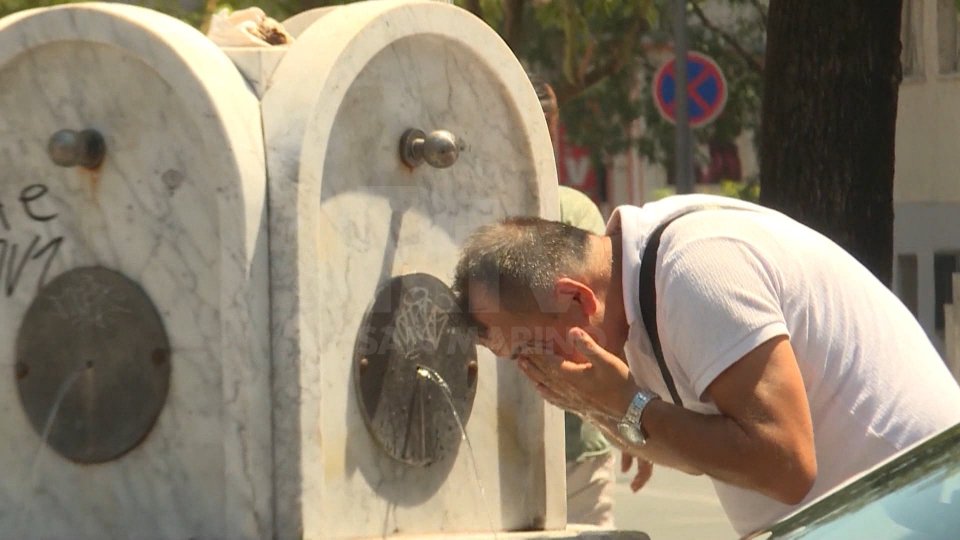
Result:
[652,453]
[762,440]
[721,448]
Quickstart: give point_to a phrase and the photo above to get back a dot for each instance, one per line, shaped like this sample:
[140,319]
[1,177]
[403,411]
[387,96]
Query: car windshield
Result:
[914,496]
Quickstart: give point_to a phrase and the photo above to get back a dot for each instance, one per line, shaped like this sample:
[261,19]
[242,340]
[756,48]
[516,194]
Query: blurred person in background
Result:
[591,462]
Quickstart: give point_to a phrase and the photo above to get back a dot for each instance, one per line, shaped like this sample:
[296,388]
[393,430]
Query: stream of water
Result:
[431,374]
[24,510]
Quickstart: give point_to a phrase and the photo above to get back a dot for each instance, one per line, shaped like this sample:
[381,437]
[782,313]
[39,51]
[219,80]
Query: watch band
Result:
[637,405]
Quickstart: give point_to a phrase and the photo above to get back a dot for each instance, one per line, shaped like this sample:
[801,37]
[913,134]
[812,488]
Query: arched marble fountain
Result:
[223,299]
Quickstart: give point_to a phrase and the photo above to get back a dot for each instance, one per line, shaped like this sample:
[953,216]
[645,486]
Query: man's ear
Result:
[570,292]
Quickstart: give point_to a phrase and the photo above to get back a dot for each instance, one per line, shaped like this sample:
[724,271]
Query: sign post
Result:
[691,105]
[683,150]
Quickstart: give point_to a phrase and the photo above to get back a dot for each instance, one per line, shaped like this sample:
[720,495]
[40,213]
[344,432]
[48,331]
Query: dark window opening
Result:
[944,266]
[907,281]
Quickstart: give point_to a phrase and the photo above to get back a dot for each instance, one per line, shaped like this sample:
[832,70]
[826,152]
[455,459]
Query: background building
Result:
[927,181]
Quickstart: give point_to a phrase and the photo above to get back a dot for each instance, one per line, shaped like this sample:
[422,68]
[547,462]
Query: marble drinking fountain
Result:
[222,269]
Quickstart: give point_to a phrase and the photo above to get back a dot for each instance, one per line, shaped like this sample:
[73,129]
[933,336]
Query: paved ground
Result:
[672,506]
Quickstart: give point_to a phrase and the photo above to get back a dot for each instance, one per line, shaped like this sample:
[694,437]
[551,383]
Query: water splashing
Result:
[47,426]
[430,374]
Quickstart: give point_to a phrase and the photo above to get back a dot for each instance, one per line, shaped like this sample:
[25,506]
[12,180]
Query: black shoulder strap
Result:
[648,301]
[648,292]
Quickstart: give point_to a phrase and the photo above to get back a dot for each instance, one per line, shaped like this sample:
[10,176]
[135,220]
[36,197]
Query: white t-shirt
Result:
[729,280]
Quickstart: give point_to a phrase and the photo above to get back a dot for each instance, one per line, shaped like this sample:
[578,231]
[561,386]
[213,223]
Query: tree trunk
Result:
[513,23]
[831,81]
[473,6]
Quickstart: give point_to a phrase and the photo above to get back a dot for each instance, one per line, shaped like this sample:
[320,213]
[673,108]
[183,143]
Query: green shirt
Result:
[579,210]
[583,440]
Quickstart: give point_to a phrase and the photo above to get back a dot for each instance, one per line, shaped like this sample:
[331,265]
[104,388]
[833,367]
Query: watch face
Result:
[631,433]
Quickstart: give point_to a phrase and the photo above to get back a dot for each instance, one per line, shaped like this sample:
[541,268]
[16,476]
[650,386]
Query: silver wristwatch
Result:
[630,426]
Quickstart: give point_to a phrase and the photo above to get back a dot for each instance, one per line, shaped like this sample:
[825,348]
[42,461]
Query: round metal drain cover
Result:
[414,366]
[93,364]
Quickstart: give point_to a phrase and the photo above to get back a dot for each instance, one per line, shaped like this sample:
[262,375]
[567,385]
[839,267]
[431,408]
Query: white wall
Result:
[927,178]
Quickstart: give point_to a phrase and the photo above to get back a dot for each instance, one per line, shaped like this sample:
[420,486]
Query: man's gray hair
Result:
[519,259]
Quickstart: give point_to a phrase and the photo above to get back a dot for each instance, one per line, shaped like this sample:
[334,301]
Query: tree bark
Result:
[513,23]
[473,6]
[831,81]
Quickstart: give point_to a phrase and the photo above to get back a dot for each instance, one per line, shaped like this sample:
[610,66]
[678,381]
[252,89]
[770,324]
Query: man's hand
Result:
[595,383]
[644,470]
[559,395]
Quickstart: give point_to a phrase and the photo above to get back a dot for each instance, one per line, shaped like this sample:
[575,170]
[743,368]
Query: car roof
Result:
[903,468]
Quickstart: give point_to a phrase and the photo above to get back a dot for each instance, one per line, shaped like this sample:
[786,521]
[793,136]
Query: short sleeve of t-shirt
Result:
[718,299]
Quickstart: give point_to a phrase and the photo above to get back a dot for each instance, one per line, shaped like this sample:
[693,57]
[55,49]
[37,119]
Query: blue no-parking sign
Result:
[706,90]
